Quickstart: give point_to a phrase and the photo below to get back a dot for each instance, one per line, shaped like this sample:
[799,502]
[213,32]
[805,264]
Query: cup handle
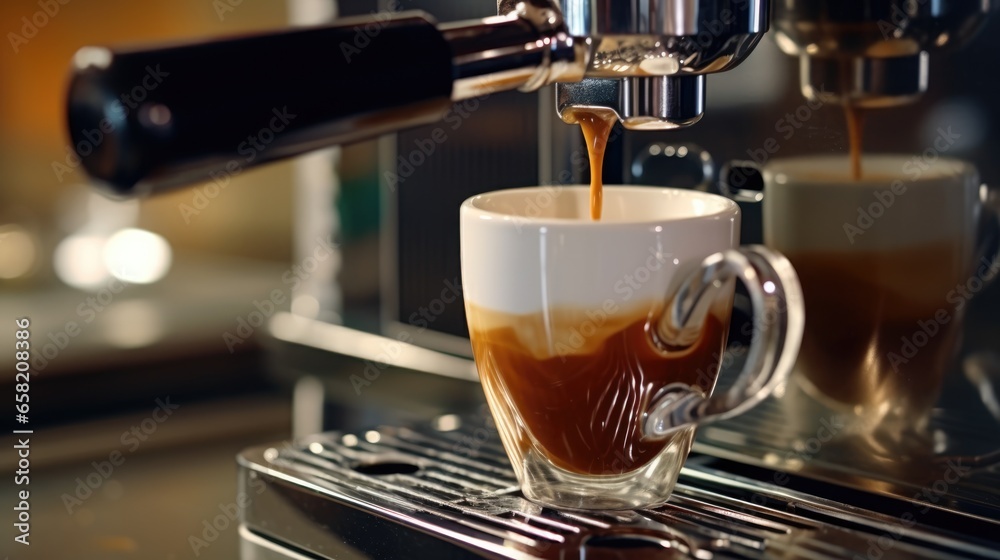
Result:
[779,318]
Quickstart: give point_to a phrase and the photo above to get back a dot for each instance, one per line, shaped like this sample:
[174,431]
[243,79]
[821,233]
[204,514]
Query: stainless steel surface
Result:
[664,37]
[255,547]
[656,17]
[655,53]
[654,102]
[872,53]
[527,48]
[864,81]
[962,475]
[446,490]
[641,103]
[381,351]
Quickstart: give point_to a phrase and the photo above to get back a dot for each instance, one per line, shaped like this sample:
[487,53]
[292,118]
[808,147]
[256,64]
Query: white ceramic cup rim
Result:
[486,206]
[879,170]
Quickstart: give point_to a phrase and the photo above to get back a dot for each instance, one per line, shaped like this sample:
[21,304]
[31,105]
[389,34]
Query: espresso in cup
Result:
[598,343]
[604,366]
[879,258]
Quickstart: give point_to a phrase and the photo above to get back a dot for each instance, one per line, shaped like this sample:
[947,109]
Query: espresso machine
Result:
[871,54]
[380,477]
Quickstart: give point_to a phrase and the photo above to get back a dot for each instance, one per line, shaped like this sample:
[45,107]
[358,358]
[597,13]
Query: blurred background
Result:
[155,349]
[113,341]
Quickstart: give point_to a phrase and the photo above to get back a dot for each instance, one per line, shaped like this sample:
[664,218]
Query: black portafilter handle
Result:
[147,120]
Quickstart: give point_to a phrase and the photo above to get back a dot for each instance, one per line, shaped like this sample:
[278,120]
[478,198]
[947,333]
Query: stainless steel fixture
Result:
[649,58]
[872,53]
[652,55]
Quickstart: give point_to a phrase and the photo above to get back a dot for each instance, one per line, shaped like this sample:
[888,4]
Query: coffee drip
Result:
[855,135]
[596,125]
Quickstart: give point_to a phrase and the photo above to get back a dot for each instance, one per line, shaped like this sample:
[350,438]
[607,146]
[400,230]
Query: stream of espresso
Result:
[596,126]
[855,134]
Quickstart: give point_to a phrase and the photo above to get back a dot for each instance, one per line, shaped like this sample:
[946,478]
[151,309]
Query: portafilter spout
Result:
[872,53]
[649,58]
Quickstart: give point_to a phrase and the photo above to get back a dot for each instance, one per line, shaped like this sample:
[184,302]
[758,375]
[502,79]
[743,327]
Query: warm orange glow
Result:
[34,137]
[34,78]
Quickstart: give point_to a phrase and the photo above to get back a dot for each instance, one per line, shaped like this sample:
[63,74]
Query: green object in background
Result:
[358,200]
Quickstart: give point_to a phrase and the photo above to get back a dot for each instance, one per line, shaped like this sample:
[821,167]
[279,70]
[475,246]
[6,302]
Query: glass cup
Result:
[598,343]
[888,264]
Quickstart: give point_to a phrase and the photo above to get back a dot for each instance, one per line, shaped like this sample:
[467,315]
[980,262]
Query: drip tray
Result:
[446,490]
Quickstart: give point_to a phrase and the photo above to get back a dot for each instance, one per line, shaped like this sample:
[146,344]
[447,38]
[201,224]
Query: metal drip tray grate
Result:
[962,476]
[446,490]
